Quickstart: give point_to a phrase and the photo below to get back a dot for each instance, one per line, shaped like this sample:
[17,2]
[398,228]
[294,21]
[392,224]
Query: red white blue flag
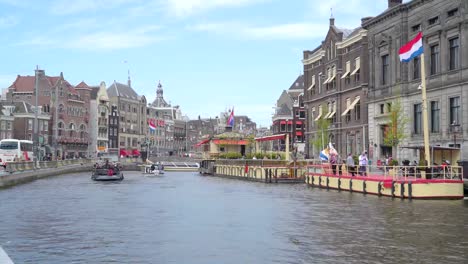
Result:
[230,121]
[412,49]
[151,125]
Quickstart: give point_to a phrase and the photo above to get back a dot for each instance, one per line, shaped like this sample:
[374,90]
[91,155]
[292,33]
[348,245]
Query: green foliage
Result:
[230,155]
[322,133]
[394,162]
[356,159]
[396,125]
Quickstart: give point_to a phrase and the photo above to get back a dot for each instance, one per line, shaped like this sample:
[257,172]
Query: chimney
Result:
[393,3]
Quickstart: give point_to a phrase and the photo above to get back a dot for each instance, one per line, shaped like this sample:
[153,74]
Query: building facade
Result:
[68,136]
[445,40]
[336,88]
[99,120]
[132,117]
[289,116]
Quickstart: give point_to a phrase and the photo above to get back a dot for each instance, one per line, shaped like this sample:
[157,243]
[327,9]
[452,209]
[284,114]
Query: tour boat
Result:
[107,174]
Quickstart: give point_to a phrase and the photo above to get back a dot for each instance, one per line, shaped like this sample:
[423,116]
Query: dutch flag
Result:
[412,49]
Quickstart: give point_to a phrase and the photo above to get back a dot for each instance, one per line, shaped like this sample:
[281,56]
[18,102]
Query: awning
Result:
[298,122]
[123,152]
[318,117]
[331,114]
[326,116]
[269,138]
[358,66]
[353,104]
[298,133]
[202,142]
[289,122]
[311,86]
[136,152]
[230,142]
[283,122]
[327,80]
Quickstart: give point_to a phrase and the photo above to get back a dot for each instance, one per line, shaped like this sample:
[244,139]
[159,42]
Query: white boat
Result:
[153,169]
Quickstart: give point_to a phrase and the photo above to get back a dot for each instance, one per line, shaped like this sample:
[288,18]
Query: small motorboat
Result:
[107,174]
[154,169]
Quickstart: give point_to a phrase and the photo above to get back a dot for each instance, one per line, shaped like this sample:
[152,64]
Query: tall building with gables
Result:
[132,117]
[336,88]
[68,107]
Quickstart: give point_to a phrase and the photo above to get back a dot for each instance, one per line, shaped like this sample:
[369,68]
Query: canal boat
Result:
[107,174]
[153,169]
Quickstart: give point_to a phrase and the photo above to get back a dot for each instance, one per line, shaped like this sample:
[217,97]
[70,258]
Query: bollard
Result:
[364,187]
[410,190]
[402,191]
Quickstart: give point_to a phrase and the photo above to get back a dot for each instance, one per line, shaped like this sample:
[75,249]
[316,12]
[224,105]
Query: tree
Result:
[321,137]
[395,131]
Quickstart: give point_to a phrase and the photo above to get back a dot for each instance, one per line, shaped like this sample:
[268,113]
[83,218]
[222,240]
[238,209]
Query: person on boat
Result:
[153,167]
[350,164]
[363,163]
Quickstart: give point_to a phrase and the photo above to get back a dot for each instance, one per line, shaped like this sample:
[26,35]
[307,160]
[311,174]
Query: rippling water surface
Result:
[186,218]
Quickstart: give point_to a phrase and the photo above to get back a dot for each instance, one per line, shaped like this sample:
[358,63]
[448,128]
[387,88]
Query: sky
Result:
[210,55]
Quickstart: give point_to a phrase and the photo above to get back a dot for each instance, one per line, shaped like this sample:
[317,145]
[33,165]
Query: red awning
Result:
[298,122]
[268,138]
[298,133]
[123,152]
[202,142]
[283,122]
[136,152]
[230,142]
[289,122]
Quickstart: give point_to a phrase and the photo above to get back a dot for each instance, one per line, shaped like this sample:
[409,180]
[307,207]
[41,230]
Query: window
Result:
[455,111]
[302,114]
[452,12]
[435,116]
[357,111]
[30,124]
[453,53]
[416,28]
[435,60]
[385,69]
[433,20]
[382,109]
[417,125]
[416,68]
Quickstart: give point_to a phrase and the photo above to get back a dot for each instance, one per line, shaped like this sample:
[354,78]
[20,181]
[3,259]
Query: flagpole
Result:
[424,112]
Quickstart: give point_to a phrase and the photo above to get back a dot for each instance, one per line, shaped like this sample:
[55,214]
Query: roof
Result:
[284,110]
[94,92]
[346,31]
[122,90]
[298,83]
[27,83]
[82,85]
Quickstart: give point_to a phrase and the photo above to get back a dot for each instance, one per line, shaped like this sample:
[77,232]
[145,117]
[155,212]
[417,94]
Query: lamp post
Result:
[36,125]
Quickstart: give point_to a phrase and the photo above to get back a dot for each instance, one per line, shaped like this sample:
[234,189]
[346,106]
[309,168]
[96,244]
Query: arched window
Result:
[61,108]
[82,131]
[71,129]
[60,128]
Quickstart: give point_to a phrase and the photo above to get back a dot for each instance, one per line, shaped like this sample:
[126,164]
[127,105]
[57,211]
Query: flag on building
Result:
[230,121]
[412,49]
[151,125]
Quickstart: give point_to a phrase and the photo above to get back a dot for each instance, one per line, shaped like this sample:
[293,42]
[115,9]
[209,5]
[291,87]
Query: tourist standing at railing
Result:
[333,163]
[363,163]
[350,164]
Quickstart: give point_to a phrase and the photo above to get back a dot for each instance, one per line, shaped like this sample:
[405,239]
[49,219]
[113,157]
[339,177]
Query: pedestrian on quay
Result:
[350,164]
[363,163]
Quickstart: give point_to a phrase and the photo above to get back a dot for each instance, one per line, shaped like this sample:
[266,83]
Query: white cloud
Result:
[8,21]
[100,40]
[187,7]
[280,31]
[65,7]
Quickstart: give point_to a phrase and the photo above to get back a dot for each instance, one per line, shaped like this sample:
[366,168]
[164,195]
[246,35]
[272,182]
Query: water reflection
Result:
[185,218]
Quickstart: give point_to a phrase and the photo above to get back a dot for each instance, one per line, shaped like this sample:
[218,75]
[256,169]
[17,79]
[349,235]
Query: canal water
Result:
[187,218]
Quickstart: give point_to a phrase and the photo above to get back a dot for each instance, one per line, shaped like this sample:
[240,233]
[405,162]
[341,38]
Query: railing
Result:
[392,172]
[30,165]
